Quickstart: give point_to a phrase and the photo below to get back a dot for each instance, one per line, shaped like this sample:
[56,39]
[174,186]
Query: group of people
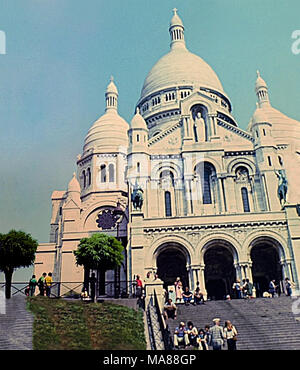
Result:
[185,295]
[242,289]
[214,337]
[44,284]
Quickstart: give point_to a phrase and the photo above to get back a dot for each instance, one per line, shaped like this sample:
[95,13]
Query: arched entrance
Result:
[219,272]
[171,263]
[265,265]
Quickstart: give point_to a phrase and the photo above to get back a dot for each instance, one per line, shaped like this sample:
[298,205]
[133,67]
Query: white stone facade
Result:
[210,188]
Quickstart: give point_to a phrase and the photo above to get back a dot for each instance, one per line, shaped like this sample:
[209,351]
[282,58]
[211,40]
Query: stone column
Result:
[202,280]
[238,271]
[213,126]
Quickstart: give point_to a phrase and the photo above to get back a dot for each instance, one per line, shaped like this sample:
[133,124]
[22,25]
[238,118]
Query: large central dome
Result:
[180,67]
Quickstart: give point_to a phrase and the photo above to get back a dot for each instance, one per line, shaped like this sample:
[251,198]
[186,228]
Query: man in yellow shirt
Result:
[48,283]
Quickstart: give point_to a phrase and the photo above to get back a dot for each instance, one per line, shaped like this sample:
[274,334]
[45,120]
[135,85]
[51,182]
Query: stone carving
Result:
[137,197]
[282,187]
[199,128]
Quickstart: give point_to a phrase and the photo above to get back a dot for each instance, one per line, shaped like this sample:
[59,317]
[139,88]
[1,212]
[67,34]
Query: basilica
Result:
[188,192]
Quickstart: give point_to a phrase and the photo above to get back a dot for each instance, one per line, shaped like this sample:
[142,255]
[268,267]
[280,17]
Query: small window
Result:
[137,137]
[84,179]
[280,160]
[138,167]
[245,200]
[103,173]
[264,132]
[168,207]
[269,161]
[111,173]
[89,176]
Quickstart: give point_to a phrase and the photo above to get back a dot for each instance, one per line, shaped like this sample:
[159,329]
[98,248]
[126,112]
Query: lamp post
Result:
[118,214]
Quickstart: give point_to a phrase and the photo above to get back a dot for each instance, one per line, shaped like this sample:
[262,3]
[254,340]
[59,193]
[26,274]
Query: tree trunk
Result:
[8,278]
[86,278]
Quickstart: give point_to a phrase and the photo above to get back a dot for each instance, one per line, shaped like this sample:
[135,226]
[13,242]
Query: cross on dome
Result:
[175,11]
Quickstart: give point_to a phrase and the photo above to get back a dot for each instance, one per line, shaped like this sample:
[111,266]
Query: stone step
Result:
[261,323]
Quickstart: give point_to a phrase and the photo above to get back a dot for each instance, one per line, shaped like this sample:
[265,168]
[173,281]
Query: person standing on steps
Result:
[178,289]
[288,287]
[216,335]
[230,334]
[272,288]
[237,289]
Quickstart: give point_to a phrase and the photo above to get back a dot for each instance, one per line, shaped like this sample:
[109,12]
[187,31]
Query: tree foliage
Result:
[17,249]
[99,251]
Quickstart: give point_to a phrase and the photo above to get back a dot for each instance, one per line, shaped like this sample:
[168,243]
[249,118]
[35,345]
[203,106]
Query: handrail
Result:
[164,327]
[125,288]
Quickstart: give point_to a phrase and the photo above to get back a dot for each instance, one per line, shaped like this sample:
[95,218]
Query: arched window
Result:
[245,200]
[168,206]
[111,173]
[138,167]
[84,178]
[206,190]
[89,176]
[103,173]
[166,179]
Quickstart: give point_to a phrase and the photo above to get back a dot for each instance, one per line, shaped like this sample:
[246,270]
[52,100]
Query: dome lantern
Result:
[176,31]
[261,90]
[111,95]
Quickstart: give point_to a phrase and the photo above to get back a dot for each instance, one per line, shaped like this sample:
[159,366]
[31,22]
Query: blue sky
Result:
[61,53]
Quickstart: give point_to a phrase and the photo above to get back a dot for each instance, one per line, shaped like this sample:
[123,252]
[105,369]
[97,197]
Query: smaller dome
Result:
[74,185]
[176,21]
[138,121]
[108,133]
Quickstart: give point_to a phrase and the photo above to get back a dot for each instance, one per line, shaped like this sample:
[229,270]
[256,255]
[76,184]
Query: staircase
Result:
[262,324]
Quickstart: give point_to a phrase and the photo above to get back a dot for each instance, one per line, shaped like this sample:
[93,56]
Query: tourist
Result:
[187,296]
[170,310]
[216,335]
[41,284]
[84,294]
[202,340]
[92,281]
[198,296]
[181,335]
[192,333]
[207,334]
[139,287]
[237,289]
[272,288]
[171,293]
[245,289]
[48,284]
[230,334]
[250,288]
[32,285]
[288,287]
[178,289]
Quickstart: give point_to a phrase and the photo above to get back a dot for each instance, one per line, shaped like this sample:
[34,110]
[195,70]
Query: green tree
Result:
[100,251]
[17,249]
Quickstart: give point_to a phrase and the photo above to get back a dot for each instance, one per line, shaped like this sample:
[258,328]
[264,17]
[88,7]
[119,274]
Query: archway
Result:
[265,265]
[219,272]
[171,263]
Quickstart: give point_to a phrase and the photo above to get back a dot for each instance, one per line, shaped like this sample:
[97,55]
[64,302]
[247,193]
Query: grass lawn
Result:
[71,325]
